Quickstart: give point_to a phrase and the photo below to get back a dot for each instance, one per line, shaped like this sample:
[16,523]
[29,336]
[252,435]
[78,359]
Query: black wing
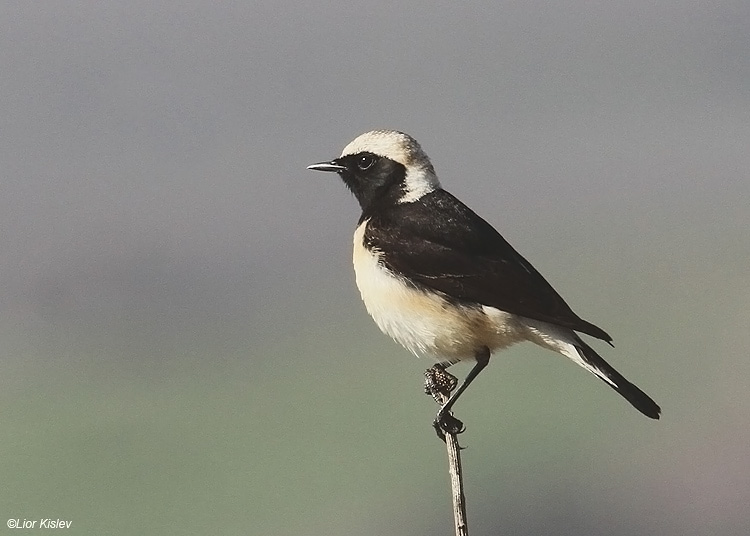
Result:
[441,244]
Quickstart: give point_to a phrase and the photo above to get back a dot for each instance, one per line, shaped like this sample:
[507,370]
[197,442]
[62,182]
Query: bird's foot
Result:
[438,383]
[446,423]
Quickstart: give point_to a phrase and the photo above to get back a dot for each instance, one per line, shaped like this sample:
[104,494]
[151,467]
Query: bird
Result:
[442,282]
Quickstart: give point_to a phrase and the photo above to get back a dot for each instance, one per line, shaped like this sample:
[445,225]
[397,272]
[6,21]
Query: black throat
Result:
[380,185]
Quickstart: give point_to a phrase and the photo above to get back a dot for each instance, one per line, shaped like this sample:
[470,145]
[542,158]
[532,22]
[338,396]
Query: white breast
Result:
[425,323]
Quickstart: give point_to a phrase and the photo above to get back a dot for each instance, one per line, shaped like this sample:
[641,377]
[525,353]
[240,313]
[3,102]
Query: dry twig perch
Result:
[454,470]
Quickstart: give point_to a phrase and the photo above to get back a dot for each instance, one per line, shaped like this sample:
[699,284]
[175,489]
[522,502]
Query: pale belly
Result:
[425,323]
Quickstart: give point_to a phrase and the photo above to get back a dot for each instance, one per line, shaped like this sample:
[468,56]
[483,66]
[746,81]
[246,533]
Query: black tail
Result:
[640,400]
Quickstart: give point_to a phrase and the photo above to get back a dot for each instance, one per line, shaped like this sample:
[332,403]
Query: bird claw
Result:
[447,424]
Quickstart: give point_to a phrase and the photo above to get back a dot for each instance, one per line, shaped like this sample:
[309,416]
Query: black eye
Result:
[365,161]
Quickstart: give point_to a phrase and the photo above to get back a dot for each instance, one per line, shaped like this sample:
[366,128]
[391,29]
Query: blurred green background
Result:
[183,346]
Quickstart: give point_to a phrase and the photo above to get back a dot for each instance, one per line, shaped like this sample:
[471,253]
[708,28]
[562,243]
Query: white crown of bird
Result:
[392,144]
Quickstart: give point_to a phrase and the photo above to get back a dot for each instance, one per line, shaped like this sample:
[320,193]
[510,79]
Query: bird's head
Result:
[383,166]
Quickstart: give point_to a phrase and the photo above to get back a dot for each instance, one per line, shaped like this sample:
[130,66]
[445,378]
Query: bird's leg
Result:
[445,422]
[439,383]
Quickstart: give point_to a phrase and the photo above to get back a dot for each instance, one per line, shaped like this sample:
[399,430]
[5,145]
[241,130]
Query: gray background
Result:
[183,346]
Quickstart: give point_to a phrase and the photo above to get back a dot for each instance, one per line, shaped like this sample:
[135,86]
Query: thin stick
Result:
[457,482]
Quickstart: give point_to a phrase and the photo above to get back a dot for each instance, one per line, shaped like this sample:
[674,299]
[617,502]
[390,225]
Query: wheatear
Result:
[442,281]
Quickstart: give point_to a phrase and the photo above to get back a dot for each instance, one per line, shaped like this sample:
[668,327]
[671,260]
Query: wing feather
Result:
[441,244]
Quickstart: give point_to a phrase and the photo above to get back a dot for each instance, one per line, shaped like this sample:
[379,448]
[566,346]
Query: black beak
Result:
[327,166]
